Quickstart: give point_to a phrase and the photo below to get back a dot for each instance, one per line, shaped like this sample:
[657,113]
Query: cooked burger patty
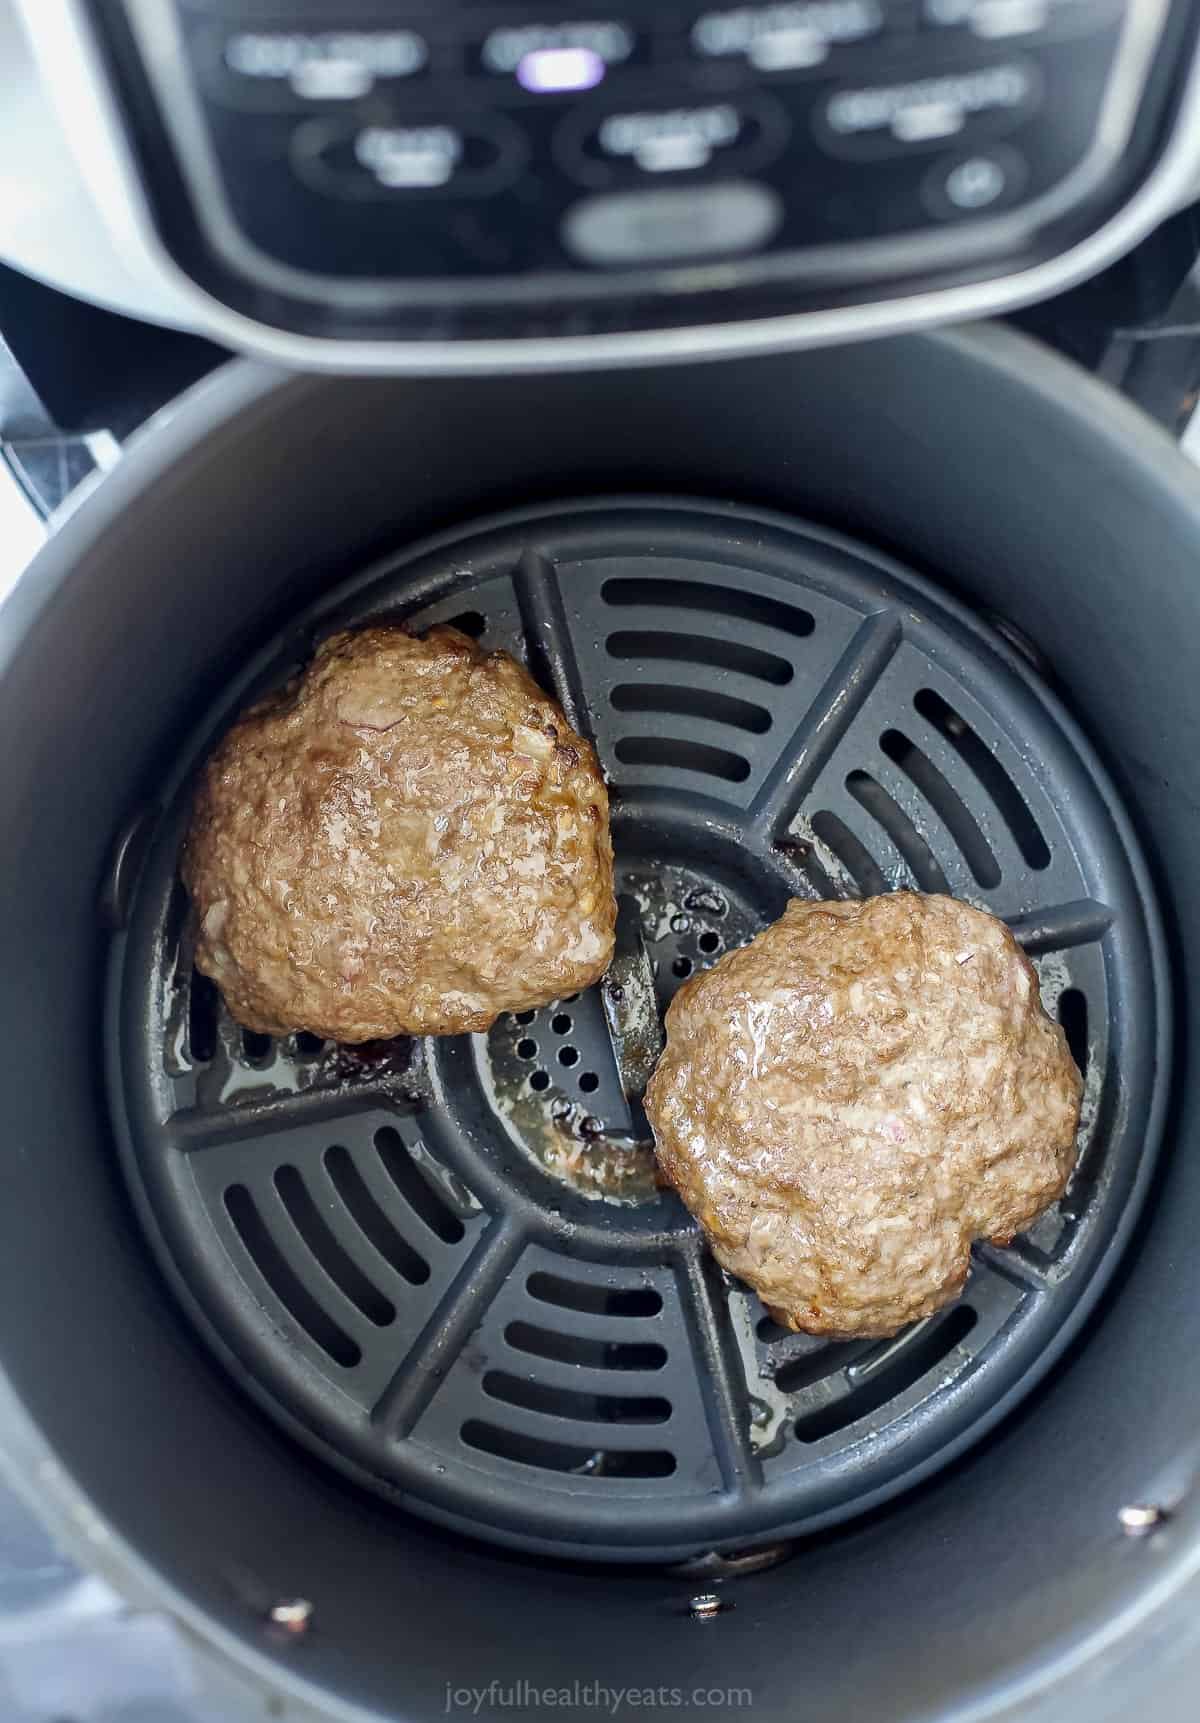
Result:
[849,1101]
[409,839]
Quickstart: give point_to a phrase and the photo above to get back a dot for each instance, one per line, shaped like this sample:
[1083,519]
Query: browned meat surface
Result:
[849,1101]
[409,839]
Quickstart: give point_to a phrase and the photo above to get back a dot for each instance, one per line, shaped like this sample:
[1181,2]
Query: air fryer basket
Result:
[448,1266]
[154,1416]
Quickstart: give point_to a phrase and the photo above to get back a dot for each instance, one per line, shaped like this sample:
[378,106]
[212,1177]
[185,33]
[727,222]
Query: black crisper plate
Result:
[445,1265]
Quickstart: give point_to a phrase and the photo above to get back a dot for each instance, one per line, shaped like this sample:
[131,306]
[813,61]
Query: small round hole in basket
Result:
[589,1082]
[561,1023]
[682,966]
[526,1049]
[539,1080]
[568,1055]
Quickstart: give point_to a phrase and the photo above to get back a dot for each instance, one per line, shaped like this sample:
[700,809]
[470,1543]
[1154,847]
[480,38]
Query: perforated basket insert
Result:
[445,1266]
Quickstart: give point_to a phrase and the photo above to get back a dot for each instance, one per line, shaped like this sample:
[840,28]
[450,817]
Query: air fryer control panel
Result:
[421,169]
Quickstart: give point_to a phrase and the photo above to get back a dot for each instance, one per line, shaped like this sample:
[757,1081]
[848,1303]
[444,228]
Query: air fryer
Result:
[389,1374]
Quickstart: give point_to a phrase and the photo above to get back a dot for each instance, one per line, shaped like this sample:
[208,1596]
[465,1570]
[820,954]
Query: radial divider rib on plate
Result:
[549,648]
[457,1316]
[841,698]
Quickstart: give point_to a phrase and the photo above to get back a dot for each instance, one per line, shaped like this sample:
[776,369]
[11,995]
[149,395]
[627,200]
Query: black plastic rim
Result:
[428,1261]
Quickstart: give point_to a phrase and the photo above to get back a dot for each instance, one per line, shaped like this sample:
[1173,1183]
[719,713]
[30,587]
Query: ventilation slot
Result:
[594,1300]
[174,922]
[257,1049]
[815,1365]
[332,1256]
[691,703]
[677,756]
[918,857]
[558,1457]
[769,1331]
[973,752]
[588,1354]
[287,1286]
[854,857]
[555,1402]
[370,1219]
[709,651]
[469,622]
[905,1365]
[946,803]
[204,1004]
[716,600]
[1073,1015]
[417,1192]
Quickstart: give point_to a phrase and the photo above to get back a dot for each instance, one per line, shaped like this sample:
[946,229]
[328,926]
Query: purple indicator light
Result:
[553,70]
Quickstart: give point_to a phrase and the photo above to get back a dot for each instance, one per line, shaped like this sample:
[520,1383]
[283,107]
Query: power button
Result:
[957,187]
